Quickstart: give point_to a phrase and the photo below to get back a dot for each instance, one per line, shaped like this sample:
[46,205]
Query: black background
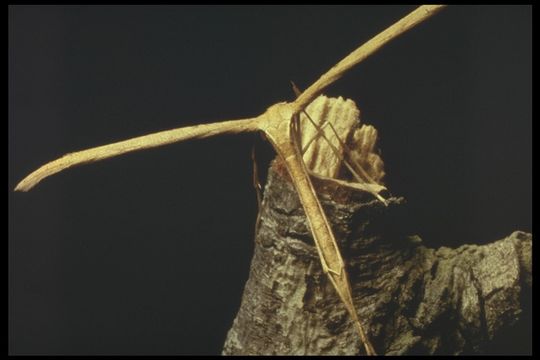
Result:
[148,253]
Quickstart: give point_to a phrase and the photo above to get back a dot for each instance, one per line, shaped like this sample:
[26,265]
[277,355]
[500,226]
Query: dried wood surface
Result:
[411,299]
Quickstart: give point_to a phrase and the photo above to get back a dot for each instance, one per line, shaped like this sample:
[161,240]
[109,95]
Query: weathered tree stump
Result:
[410,298]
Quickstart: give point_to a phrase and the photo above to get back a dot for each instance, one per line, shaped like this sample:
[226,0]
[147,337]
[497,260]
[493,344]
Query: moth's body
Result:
[279,126]
[279,123]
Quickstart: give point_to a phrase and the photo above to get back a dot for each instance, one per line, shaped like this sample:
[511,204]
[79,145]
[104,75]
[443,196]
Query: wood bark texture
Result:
[411,299]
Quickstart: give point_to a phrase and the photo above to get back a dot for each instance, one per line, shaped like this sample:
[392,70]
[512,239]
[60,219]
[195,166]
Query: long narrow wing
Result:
[284,142]
[326,244]
[367,183]
[139,143]
[368,48]
[327,248]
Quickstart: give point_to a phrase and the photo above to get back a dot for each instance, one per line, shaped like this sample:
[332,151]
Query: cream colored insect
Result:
[280,125]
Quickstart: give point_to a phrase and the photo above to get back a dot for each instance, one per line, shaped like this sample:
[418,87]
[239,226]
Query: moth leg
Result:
[325,268]
[370,188]
[296,137]
[332,271]
[357,166]
[258,188]
[320,132]
[344,146]
[319,128]
[367,181]
[308,144]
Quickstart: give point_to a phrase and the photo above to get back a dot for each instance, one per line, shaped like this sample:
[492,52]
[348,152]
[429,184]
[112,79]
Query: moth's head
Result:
[282,110]
[276,120]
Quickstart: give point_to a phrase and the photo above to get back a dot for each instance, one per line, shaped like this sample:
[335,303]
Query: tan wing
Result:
[331,260]
[281,135]
[368,48]
[139,143]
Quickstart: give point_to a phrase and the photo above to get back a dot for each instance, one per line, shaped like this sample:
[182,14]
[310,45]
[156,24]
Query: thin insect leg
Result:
[353,185]
[320,132]
[317,135]
[368,185]
[349,304]
[258,188]
[347,164]
[343,145]
[348,151]
[357,167]
[323,124]
[367,179]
